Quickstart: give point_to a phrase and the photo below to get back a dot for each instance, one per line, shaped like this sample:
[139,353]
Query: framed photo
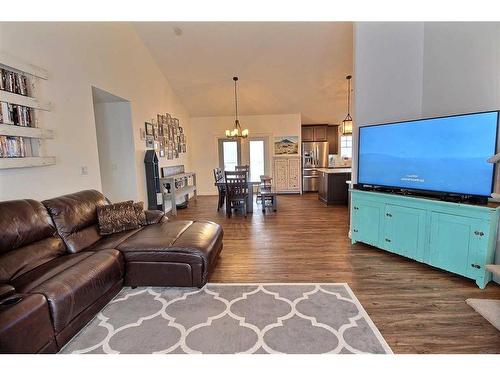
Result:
[142,134]
[156,145]
[150,141]
[149,128]
[156,132]
[288,145]
[170,153]
[162,152]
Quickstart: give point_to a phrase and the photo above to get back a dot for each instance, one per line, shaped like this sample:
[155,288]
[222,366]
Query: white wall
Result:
[77,56]
[207,130]
[388,71]
[116,150]
[437,68]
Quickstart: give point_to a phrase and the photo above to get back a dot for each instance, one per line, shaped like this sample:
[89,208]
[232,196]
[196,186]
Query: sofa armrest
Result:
[155,217]
[6,290]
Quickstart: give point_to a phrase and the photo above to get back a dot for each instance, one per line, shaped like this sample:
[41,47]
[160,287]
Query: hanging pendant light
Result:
[236,132]
[346,127]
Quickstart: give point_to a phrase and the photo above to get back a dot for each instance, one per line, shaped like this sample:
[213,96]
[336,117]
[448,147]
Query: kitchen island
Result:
[332,187]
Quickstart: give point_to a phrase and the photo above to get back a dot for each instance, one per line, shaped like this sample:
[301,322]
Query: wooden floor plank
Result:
[417,308]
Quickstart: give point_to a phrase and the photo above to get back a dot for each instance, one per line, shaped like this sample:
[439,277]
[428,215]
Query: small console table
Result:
[176,185]
[456,237]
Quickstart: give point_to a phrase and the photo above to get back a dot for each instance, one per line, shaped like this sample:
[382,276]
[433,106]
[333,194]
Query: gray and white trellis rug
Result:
[232,318]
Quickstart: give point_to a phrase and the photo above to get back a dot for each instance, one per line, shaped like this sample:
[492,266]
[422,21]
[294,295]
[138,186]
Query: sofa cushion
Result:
[174,241]
[26,327]
[75,217]
[116,218]
[28,238]
[73,282]
[112,241]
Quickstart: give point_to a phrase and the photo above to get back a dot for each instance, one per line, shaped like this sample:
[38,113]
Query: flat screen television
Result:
[438,155]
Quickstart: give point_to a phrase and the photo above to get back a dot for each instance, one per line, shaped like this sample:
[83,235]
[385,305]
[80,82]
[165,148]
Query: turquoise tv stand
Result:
[459,238]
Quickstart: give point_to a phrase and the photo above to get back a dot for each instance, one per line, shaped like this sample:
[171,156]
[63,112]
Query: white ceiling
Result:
[284,67]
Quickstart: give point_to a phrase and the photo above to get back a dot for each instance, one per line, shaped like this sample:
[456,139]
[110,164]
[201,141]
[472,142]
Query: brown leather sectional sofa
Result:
[57,271]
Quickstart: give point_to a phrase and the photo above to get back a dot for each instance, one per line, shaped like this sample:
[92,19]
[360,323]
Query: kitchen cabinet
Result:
[286,174]
[314,133]
[307,134]
[455,237]
[332,136]
[332,186]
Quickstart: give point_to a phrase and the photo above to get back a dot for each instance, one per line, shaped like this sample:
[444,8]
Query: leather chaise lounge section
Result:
[57,272]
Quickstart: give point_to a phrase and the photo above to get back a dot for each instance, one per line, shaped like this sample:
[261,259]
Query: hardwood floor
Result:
[418,309]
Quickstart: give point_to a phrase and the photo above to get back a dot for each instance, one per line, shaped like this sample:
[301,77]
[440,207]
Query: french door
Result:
[253,151]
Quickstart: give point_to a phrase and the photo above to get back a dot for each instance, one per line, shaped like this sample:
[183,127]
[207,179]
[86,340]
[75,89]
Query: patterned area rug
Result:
[232,318]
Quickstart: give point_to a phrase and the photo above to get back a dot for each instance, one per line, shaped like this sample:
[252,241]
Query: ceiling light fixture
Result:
[236,132]
[346,127]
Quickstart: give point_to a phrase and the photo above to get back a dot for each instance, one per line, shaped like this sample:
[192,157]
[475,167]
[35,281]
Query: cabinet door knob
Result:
[355,230]
[476,266]
[387,240]
[388,215]
[476,233]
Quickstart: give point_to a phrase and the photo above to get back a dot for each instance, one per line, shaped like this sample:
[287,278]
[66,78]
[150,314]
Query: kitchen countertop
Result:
[334,170]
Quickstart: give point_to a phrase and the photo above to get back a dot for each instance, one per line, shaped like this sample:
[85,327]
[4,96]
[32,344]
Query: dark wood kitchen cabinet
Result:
[332,187]
[332,136]
[307,134]
[314,133]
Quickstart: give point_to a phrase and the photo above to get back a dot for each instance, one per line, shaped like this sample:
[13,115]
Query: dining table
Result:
[251,184]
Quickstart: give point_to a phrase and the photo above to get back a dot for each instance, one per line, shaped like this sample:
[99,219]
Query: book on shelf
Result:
[15,147]
[13,114]
[16,83]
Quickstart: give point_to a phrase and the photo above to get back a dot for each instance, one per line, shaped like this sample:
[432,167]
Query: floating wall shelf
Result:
[10,163]
[25,131]
[26,101]
[14,64]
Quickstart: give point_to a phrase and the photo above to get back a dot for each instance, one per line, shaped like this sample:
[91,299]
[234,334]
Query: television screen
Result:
[446,154]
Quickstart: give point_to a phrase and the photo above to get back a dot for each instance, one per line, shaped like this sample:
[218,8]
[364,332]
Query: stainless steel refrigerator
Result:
[314,155]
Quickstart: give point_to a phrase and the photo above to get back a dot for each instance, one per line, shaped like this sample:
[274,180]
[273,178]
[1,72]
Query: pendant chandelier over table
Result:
[236,132]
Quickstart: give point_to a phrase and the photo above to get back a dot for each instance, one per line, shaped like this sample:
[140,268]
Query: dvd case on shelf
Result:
[13,114]
[15,147]
[14,82]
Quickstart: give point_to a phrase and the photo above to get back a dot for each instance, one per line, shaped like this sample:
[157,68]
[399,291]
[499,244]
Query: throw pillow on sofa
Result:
[141,215]
[117,217]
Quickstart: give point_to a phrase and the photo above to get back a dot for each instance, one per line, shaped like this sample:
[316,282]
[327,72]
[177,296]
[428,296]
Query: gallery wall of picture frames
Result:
[165,135]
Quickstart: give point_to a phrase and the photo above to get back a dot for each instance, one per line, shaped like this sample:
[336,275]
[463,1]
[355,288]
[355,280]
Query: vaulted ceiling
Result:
[284,67]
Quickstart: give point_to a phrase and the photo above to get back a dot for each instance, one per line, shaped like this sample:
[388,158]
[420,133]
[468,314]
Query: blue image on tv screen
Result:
[443,154]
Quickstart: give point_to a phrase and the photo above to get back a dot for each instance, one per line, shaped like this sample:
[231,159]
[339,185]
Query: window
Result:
[346,146]
[257,159]
[229,154]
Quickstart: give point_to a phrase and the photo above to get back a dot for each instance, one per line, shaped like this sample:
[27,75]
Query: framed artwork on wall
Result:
[149,128]
[287,145]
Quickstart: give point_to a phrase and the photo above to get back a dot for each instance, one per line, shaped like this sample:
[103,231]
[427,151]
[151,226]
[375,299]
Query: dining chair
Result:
[243,168]
[265,184]
[235,175]
[218,176]
[236,192]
